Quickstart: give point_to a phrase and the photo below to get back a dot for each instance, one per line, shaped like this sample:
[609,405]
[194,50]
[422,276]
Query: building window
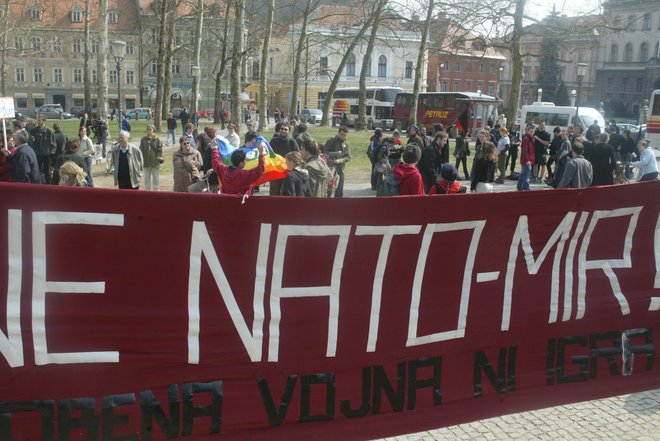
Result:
[130,48]
[617,23]
[112,76]
[631,23]
[350,66]
[610,84]
[491,89]
[76,15]
[443,86]
[458,66]
[445,65]
[94,46]
[153,36]
[36,43]
[95,76]
[468,86]
[177,38]
[323,66]
[644,53]
[480,86]
[640,83]
[18,43]
[56,45]
[37,75]
[113,17]
[614,53]
[382,66]
[481,67]
[130,77]
[628,53]
[492,68]
[36,13]
[409,69]
[646,26]
[176,67]
[580,56]
[76,45]
[624,84]
[153,68]
[457,86]
[57,75]
[21,103]
[77,75]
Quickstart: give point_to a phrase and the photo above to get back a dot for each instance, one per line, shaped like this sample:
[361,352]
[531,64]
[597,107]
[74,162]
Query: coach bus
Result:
[464,110]
[380,101]
[653,121]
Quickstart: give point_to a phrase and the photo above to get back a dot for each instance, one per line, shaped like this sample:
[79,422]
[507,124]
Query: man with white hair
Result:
[128,163]
[24,165]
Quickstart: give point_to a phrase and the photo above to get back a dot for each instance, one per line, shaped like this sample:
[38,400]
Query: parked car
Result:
[625,126]
[53,111]
[311,116]
[137,114]
[77,111]
[206,113]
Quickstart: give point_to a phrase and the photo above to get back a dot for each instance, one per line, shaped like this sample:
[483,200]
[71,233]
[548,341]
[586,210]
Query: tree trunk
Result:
[160,62]
[361,123]
[325,122]
[102,75]
[86,77]
[296,64]
[198,48]
[236,58]
[263,81]
[222,66]
[420,60]
[516,62]
[170,23]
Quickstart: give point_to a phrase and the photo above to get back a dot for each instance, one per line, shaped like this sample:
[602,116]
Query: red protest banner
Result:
[138,315]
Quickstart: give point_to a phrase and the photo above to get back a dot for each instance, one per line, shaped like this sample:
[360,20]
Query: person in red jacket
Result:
[407,173]
[526,158]
[234,179]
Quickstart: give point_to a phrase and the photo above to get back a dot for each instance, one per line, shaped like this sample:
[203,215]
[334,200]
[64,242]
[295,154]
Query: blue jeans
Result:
[171,132]
[523,180]
[88,165]
[103,141]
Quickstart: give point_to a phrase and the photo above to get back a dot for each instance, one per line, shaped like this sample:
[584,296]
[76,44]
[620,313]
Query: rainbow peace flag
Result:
[275,164]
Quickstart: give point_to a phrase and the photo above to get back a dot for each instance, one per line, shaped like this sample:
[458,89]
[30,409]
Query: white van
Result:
[560,116]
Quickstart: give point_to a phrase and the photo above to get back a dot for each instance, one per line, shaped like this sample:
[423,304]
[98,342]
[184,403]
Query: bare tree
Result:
[102,94]
[221,63]
[263,81]
[421,54]
[354,40]
[236,61]
[160,63]
[14,27]
[361,123]
[198,49]
[298,54]
[86,79]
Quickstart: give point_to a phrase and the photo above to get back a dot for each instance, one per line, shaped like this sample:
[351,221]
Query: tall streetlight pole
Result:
[539,95]
[195,91]
[118,53]
[581,72]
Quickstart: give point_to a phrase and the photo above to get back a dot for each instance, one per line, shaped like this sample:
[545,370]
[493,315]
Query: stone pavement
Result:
[633,417]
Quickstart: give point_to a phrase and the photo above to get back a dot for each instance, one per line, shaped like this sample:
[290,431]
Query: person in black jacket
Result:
[296,182]
[44,146]
[282,144]
[602,160]
[433,156]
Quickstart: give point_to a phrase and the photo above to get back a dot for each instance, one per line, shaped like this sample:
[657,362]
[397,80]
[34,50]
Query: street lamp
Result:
[573,93]
[118,53]
[539,95]
[581,72]
[195,87]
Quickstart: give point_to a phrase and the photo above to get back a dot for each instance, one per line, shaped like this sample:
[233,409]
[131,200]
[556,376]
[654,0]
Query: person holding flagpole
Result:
[235,179]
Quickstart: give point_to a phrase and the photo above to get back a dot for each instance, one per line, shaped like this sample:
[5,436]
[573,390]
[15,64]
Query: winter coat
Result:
[411,180]
[296,183]
[319,174]
[186,168]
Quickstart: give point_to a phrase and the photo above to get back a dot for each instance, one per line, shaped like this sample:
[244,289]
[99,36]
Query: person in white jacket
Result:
[647,164]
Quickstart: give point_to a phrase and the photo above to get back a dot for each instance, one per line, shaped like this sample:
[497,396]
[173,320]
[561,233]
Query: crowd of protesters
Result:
[418,165]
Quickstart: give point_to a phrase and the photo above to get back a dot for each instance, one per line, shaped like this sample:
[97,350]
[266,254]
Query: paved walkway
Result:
[634,417]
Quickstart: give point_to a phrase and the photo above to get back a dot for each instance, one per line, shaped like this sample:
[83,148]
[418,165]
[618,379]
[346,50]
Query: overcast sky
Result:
[571,8]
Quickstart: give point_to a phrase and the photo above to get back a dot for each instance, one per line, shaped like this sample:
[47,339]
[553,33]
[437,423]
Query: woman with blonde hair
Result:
[71,175]
[484,169]
[296,182]
[87,151]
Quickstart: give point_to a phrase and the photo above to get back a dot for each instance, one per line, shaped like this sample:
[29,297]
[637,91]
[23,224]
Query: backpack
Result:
[388,186]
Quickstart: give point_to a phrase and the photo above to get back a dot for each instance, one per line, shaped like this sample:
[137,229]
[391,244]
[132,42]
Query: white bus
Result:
[653,121]
[560,116]
[380,101]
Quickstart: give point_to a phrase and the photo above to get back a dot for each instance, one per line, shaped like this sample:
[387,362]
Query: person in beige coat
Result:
[187,164]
